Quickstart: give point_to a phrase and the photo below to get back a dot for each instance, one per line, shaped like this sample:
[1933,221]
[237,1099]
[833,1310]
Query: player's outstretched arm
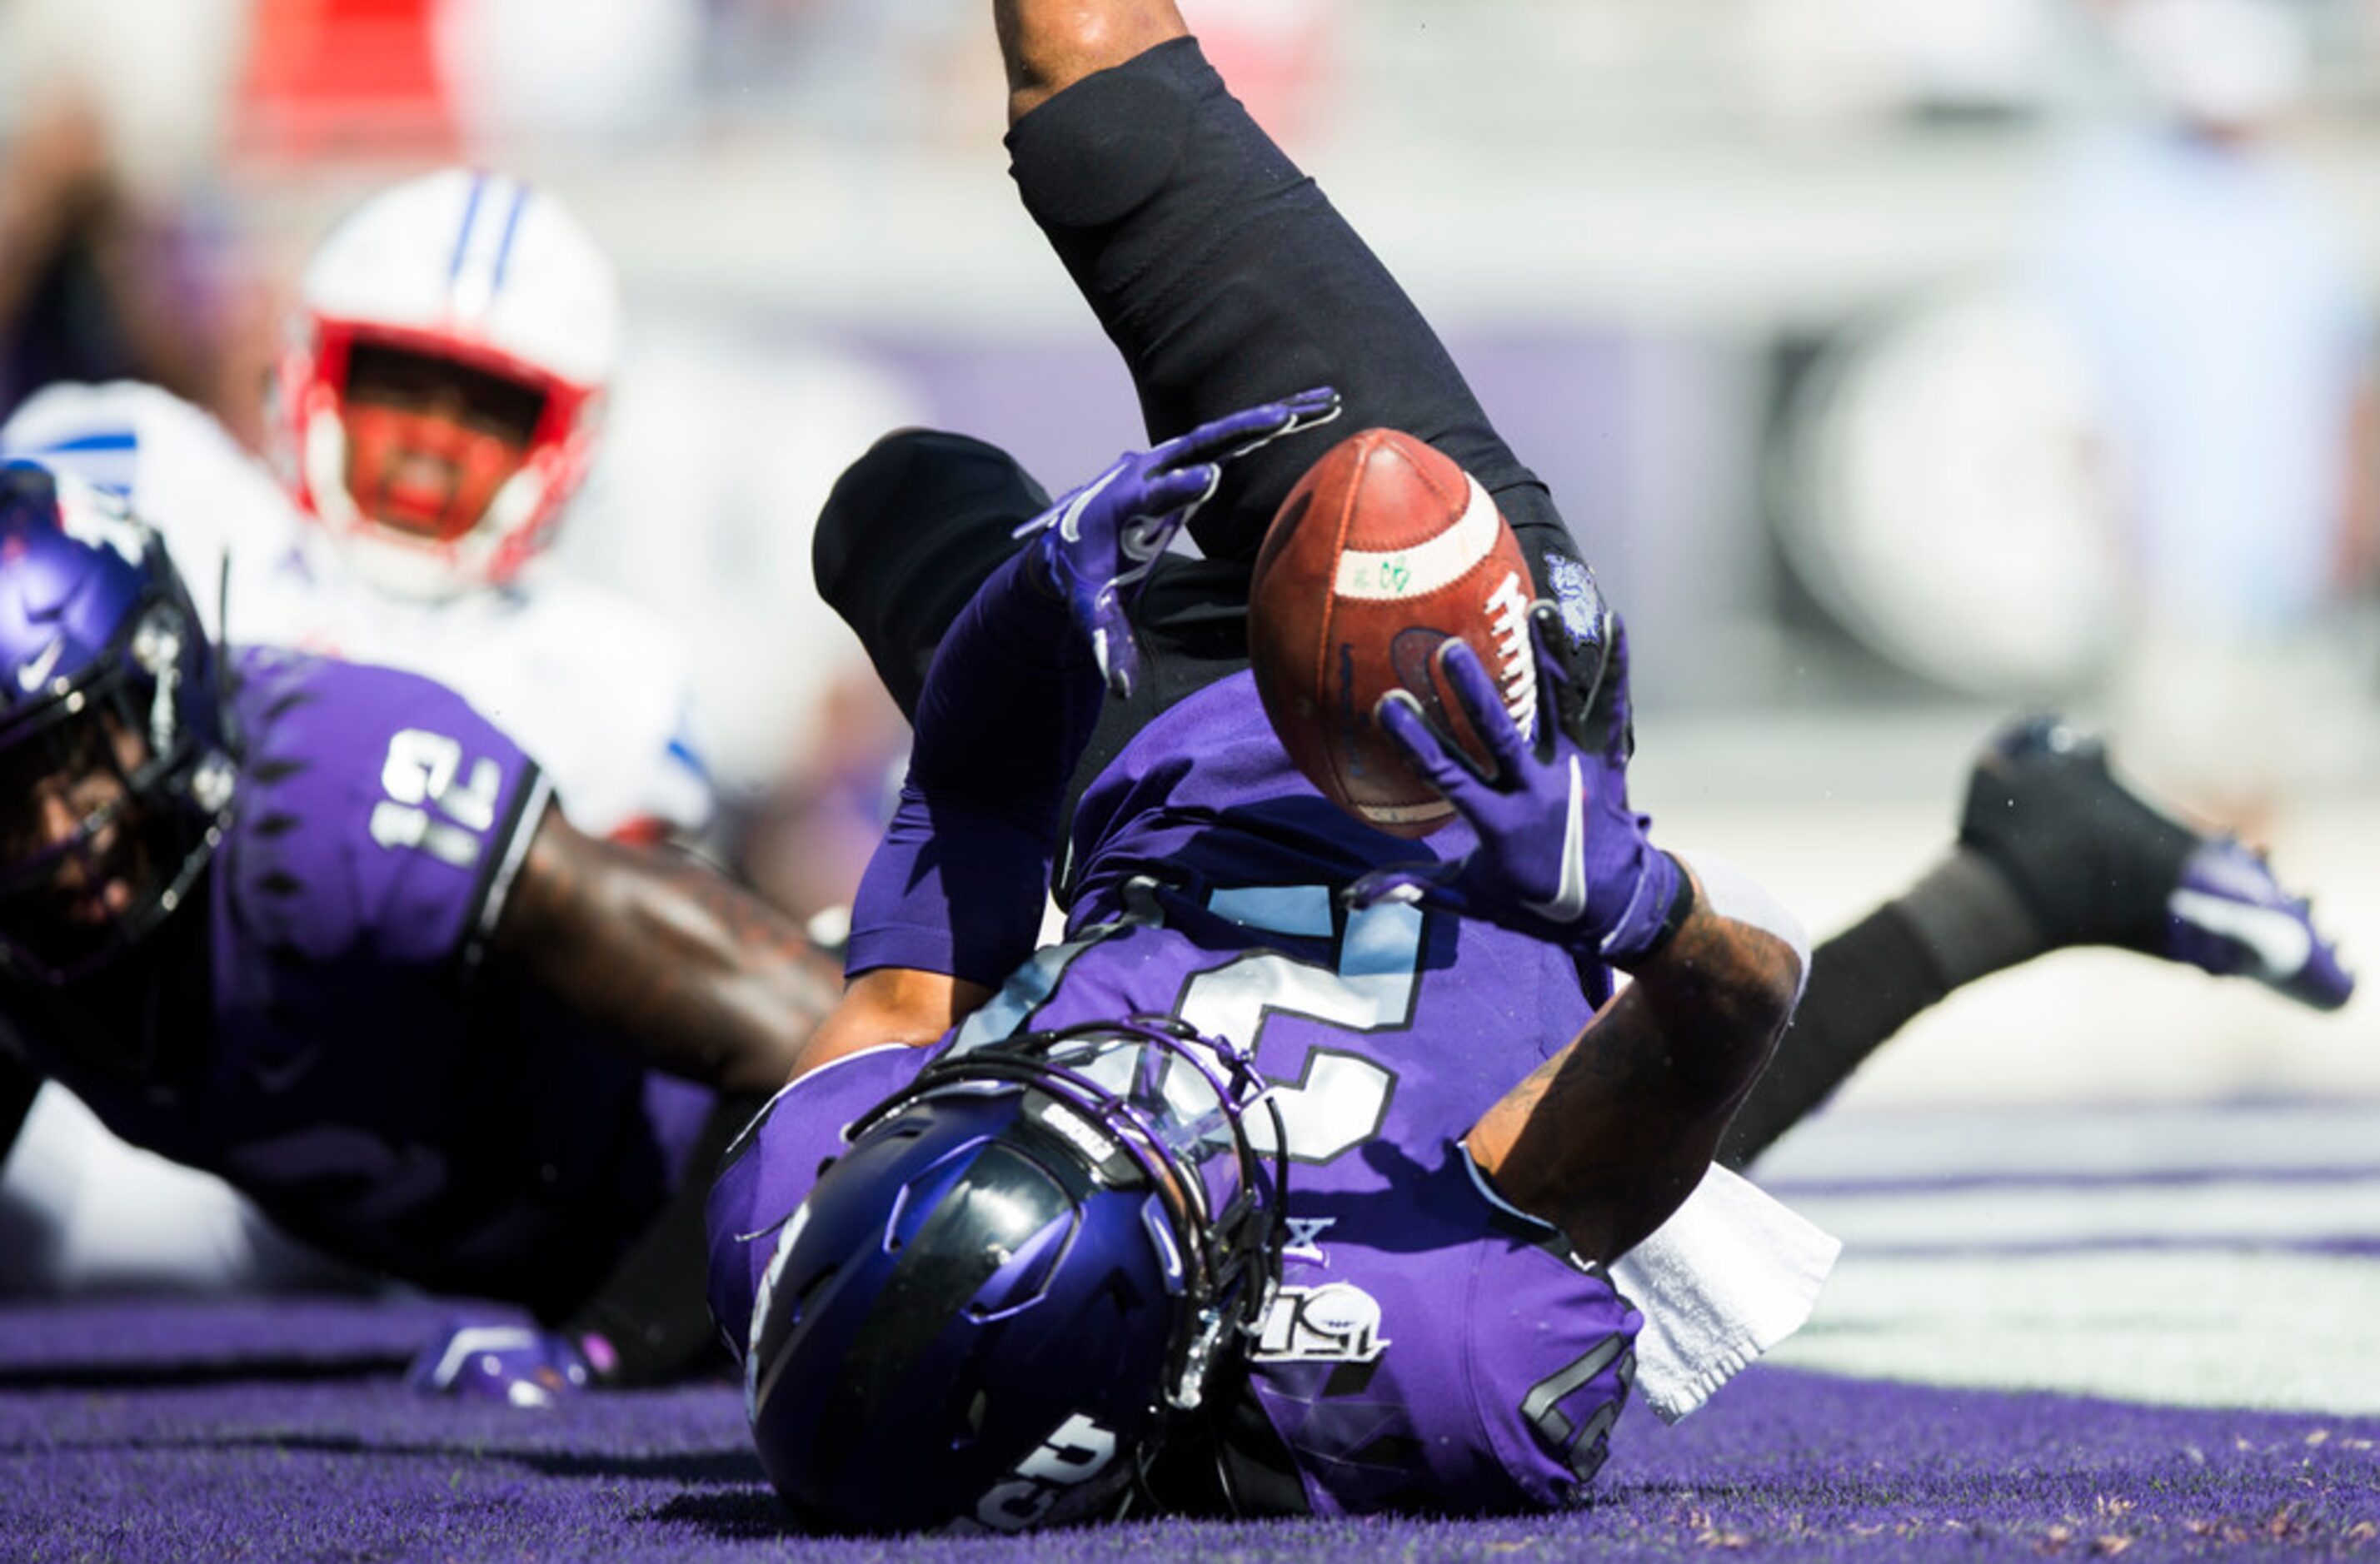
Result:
[1050,45]
[1607,1138]
[687,971]
[958,883]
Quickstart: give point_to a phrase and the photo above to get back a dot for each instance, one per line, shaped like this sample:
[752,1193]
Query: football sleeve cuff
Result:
[1733,894]
[503,864]
[955,886]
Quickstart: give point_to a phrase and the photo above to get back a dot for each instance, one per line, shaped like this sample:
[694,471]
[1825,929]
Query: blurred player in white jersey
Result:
[437,402]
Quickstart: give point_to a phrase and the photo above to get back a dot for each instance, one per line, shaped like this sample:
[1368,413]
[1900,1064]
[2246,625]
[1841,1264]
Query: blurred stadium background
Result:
[1746,280]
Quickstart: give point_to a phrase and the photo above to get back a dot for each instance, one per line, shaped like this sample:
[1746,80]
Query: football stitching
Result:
[1333,752]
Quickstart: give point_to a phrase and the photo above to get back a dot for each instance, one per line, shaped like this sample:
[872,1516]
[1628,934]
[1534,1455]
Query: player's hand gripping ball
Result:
[1559,856]
[1385,550]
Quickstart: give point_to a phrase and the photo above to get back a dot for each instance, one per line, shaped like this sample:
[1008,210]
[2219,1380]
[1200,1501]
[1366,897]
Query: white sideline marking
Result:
[2223,1316]
[2215,1212]
[2284,1332]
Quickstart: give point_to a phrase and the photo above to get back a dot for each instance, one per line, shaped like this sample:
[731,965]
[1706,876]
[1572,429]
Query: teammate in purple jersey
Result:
[323,929]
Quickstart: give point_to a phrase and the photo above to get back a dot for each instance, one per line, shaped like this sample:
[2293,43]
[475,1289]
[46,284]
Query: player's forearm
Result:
[685,971]
[1048,45]
[957,883]
[1610,1135]
[1011,699]
[1720,992]
[892,1005]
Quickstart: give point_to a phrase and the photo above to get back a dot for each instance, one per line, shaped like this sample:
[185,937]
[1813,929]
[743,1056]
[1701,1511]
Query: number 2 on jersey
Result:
[1341,1096]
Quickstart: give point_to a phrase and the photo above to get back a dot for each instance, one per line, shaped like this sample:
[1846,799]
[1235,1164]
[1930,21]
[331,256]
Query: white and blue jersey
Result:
[593,684]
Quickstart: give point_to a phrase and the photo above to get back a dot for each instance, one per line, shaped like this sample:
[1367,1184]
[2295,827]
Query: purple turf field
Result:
[170,1431]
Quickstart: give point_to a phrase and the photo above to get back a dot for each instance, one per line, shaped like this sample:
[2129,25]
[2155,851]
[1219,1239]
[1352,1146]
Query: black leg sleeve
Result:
[1963,921]
[908,534]
[653,1308]
[18,1086]
[1865,984]
[1226,278]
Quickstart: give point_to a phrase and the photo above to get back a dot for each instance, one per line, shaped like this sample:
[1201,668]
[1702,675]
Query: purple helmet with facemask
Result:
[117,762]
[989,1309]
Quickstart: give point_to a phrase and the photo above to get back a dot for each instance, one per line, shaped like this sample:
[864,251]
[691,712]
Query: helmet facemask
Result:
[436,466]
[440,389]
[1023,1268]
[112,800]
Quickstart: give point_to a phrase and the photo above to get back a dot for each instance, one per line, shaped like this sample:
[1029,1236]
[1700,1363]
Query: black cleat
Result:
[2095,865]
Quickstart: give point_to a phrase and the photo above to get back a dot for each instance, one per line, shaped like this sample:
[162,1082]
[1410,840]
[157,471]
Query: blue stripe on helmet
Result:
[512,226]
[463,239]
[114,440]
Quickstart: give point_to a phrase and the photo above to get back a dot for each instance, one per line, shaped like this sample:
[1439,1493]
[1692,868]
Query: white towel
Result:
[1729,1275]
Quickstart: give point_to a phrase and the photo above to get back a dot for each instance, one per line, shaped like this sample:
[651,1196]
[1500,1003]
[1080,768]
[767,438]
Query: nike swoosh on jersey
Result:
[1570,898]
[36,674]
[2278,940]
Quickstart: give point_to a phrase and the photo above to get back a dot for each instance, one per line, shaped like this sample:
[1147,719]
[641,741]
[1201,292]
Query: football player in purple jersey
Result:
[1331,1145]
[1288,1183]
[321,929]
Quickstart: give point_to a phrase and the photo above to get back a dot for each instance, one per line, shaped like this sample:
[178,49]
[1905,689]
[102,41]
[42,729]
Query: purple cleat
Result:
[491,1360]
[2228,915]
[2096,865]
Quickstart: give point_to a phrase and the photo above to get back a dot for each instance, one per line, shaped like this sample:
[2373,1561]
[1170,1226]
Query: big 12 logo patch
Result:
[1337,1322]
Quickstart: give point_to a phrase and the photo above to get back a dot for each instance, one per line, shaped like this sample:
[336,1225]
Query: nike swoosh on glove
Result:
[1101,539]
[1561,854]
[505,1361]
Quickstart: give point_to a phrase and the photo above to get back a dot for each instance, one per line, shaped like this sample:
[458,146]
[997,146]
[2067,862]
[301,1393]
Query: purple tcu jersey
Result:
[354,1067]
[1431,1347]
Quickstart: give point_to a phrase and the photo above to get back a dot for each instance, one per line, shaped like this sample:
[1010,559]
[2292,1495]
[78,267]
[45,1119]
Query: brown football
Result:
[1383,551]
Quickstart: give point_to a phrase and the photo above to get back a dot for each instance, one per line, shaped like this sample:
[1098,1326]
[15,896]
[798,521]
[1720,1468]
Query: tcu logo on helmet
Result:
[1079,1452]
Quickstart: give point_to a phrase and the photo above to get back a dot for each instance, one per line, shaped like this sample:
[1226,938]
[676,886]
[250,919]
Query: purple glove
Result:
[1103,537]
[517,1364]
[1561,854]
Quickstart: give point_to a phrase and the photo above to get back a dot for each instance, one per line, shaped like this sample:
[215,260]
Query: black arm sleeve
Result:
[20,1082]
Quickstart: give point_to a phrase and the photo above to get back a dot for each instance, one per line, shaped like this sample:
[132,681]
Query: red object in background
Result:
[344,78]
[1277,54]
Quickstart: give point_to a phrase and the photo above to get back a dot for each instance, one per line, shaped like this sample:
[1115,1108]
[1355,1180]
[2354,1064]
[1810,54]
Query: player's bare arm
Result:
[1050,45]
[1607,1138]
[695,974]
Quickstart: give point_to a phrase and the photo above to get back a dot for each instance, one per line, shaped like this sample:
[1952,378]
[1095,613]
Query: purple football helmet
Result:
[986,1313]
[117,762]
